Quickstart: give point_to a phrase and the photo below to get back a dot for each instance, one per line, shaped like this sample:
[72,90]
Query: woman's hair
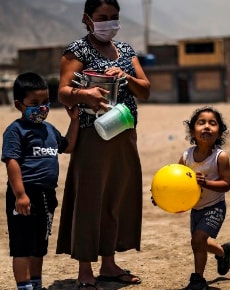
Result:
[27,82]
[190,124]
[92,5]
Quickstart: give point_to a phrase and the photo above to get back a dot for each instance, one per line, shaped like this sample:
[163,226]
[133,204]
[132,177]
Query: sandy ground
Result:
[165,261]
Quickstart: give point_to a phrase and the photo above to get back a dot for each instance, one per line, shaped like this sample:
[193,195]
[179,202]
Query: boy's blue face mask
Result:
[37,114]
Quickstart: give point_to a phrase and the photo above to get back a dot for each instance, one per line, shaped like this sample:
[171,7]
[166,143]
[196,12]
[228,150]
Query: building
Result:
[44,61]
[191,71]
[8,73]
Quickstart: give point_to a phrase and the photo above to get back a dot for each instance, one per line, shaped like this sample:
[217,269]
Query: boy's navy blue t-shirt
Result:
[36,148]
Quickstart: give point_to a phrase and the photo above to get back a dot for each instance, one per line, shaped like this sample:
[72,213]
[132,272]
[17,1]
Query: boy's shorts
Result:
[28,235]
[209,219]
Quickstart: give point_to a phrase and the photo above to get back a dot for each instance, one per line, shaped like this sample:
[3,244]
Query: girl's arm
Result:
[181,161]
[223,183]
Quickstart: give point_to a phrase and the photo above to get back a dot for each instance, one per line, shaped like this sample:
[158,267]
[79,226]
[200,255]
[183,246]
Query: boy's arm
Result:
[72,132]
[22,203]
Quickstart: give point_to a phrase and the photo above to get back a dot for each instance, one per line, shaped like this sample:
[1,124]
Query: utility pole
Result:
[147,13]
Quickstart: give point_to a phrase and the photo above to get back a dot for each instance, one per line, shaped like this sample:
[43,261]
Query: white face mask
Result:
[105,30]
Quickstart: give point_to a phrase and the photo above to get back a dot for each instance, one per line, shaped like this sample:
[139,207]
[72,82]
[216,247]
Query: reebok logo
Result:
[39,151]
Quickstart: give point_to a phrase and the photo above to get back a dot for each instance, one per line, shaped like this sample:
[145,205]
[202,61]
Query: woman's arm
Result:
[72,132]
[70,96]
[139,85]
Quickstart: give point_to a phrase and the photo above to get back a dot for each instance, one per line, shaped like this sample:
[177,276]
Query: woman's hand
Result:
[114,71]
[139,85]
[95,98]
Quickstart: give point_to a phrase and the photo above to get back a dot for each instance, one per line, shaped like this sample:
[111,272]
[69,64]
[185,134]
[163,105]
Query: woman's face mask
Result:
[105,30]
[37,114]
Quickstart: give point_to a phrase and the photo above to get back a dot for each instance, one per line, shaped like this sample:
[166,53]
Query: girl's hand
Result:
[200,177]
[153,201]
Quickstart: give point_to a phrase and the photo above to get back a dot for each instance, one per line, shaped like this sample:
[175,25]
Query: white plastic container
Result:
[115,121]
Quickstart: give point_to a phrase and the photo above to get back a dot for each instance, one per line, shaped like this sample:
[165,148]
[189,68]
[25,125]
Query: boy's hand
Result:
[22,204]
[73,112]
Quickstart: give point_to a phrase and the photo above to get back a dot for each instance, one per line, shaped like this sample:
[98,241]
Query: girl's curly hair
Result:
[190,124]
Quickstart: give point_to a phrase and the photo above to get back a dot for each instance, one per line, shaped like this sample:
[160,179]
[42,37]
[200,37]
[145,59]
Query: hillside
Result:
[26,23]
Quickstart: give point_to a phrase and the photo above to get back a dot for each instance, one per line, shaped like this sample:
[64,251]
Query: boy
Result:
[30,151]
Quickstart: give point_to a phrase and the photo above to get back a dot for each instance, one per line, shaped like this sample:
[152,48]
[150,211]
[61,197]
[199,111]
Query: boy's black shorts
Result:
[28,235]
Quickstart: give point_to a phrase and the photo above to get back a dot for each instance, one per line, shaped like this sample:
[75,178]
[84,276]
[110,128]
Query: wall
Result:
[192,58]
[198,73]
[45,61]
[186,85]
[176,76]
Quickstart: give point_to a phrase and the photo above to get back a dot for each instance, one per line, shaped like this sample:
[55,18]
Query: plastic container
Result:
[113,122]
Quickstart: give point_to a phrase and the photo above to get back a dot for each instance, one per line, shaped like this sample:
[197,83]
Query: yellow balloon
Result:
[175,189]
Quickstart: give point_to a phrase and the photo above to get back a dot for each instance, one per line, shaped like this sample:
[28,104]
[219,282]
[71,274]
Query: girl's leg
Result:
[200,251]
[214,248]
[222,255]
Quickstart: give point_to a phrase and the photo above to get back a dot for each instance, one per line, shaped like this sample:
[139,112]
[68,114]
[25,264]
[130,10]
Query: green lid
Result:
[126,116]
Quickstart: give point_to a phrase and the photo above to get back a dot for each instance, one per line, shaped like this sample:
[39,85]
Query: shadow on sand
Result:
[70,284]
[216,280]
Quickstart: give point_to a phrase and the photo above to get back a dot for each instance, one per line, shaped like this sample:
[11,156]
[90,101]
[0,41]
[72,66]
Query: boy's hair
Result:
[27,82]
[223,130]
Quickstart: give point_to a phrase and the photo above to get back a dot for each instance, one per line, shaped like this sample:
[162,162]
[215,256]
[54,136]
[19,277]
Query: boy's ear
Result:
[18,105]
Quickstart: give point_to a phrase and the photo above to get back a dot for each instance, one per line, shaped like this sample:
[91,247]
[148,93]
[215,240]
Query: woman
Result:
[102,204]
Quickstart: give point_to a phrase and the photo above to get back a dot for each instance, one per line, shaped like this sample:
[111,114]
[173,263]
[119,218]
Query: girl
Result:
[207,131]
